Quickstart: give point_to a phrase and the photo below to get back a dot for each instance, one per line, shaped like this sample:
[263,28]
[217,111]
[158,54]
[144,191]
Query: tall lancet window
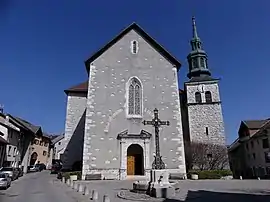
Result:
[134,98]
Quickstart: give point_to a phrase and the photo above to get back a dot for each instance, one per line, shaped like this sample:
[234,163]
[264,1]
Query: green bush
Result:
[210,174]
[67,174]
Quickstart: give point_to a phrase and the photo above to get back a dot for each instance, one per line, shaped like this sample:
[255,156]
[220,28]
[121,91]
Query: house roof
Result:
[255,124]
[28,125]
[6,123]
[58,138]
[80,88]
[47,135]
[147,37]
[234,145]
[2,140]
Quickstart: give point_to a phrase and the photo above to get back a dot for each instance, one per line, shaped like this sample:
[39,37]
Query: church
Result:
[128,78]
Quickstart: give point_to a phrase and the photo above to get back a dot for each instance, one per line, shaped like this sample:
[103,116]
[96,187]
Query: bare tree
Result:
[206,156]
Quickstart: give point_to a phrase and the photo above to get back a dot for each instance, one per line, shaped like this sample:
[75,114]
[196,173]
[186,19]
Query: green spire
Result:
[197,58]
[195,34]
[195,42]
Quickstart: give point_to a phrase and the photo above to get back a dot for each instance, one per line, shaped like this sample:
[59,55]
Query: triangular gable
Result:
[143,34]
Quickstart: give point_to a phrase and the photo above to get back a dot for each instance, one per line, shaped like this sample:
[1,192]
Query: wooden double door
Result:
[131,165]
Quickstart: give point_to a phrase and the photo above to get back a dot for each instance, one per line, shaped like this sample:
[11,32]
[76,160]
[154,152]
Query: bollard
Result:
[68,182]
[106,198]
[94,195]
[63,179]
[71,183]
[81,188]
[241,177]
[86,191]
[75,186]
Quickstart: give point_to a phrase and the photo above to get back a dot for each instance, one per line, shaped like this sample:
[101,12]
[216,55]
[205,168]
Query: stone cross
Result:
[156,123]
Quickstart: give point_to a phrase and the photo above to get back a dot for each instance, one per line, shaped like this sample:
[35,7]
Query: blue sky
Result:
[43,46]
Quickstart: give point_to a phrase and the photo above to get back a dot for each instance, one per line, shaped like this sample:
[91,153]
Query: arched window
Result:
[202,62]
[208,97]
[135,97]
[194,63]
[198,97]
[134,47]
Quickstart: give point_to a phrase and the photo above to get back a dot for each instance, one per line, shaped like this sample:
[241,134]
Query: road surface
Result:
[37,187]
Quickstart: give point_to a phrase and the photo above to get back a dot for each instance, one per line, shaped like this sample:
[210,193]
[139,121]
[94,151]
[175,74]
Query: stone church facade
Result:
[128,78]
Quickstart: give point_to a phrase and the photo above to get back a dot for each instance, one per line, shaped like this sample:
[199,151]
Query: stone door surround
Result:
[142,139]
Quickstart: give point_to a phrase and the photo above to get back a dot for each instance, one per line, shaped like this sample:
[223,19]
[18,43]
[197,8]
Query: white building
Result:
[11,134]
[58,146]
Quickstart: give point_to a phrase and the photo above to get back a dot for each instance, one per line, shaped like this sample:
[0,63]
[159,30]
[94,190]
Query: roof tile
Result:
[82,87]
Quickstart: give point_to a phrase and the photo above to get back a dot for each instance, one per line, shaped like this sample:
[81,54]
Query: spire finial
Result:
[197,58]
[195,34]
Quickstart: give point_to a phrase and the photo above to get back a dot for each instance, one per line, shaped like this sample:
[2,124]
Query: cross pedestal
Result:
[160,186]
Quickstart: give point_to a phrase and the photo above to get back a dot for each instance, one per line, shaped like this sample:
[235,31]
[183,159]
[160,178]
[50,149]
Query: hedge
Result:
[67,174]
[210,174]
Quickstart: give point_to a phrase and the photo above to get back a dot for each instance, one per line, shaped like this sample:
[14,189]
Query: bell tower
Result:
[203,100]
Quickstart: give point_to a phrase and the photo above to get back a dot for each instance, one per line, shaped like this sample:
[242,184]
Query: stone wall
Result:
[205,116]
[106,105]
[74,128]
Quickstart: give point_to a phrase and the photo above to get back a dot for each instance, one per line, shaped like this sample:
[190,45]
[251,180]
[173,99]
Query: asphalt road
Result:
[36,187]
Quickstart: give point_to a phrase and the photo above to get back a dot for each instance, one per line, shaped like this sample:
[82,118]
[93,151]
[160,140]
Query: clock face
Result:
[200,88]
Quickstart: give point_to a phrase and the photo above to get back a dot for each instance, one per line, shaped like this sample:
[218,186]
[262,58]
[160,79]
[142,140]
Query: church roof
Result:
[181,91]
[80,88]
[147,37]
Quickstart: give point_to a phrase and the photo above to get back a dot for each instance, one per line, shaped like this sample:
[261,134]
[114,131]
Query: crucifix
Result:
[156,123]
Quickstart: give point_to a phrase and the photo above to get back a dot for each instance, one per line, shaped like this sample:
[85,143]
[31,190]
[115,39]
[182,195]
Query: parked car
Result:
[41,166]
[20,172]
[56,168]
[5,180]
[12,172]
[33,169]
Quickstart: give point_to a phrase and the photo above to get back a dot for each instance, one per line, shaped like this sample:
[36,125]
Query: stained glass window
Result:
[135,97]
[131,100]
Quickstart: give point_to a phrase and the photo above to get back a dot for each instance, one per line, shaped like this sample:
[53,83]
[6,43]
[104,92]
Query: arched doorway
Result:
[33,158]
[135,160]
